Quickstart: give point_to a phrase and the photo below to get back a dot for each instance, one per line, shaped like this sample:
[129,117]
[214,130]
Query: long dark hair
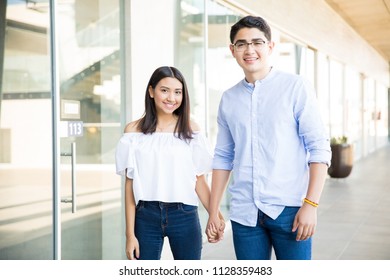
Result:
[148,122]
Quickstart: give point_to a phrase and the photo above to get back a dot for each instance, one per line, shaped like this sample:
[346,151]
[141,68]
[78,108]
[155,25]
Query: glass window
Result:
[323,88]
[25,134]
[190,55]
[381,115]
[336,99]
[223,71]
[287,54]
[307,64]
[369,116]
[354,110]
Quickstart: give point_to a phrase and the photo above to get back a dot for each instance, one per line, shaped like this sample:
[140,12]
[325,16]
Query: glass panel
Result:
[336,99]
[369,116]
[222,69]
[25,133]
[90,115]
[307,64]
[354,110]
[153,44]
[286,55]
[382,115]
[323,88]
[189,58]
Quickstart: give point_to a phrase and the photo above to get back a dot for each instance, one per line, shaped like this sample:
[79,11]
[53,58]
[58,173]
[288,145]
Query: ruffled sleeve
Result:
[202,155]
[124,156]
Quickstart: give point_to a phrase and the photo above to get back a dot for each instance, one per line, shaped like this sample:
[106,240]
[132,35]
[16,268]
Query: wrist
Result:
[310,202]
[130,235]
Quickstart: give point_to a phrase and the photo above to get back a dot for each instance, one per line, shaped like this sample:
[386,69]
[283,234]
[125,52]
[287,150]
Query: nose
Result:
[171,96]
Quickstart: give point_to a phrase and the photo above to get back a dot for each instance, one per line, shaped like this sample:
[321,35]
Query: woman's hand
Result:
[215,228]
[132,248]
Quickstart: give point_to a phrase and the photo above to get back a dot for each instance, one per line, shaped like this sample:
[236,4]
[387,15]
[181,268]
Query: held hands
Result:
[215,228]
[132,248]
[305,222]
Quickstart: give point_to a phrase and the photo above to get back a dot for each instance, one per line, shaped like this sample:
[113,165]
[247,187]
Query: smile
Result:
[249,59]
[170,105]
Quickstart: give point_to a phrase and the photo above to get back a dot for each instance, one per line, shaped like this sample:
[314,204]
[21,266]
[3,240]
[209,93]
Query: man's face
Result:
[253,57]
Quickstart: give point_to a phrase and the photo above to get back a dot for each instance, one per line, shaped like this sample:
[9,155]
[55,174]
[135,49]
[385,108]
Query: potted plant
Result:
[342,157]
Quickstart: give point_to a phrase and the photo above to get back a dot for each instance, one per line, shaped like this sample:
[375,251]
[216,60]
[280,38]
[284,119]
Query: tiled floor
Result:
[353,217]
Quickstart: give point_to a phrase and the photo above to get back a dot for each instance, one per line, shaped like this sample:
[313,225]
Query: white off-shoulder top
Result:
[162,166]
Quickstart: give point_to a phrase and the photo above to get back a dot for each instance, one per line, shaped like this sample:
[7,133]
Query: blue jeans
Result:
[179,222]
[255,243]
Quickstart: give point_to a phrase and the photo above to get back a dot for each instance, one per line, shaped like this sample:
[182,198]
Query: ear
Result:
[231,47]
[271,46]
[151,92]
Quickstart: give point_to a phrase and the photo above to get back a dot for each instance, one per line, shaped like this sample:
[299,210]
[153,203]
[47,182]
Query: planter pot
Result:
[342,160]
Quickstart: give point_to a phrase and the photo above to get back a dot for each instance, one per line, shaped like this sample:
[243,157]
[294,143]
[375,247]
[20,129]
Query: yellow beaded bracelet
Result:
[310,202]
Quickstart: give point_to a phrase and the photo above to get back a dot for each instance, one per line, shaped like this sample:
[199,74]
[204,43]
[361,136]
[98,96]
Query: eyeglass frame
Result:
[249,43]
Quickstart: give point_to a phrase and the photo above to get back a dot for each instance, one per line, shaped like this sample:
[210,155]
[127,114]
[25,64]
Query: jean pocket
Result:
[188,208]
[139,206]
[285,220]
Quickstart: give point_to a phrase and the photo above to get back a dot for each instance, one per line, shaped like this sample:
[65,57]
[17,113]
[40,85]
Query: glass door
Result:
[88,128]
[89,70]
[25,133]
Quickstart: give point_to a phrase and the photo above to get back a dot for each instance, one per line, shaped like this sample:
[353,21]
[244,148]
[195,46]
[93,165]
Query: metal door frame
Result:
[55,105]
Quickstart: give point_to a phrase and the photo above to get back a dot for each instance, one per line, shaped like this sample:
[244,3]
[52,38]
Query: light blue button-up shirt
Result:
[268,133]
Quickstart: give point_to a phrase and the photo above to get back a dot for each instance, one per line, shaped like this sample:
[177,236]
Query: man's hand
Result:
[305,222]
[215,229]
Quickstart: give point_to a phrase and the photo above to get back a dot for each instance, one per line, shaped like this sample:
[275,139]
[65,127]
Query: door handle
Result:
[72,154]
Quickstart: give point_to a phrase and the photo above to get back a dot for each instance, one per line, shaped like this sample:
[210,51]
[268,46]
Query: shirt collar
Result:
[251,86]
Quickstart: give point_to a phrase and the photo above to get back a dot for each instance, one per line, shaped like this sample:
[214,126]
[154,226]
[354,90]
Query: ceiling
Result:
[370,18]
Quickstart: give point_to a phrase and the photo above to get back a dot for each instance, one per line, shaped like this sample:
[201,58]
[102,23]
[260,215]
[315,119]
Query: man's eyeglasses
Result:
[241,46]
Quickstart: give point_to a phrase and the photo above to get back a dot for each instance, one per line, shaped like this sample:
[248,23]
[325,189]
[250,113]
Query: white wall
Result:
[152,45]
[315,23]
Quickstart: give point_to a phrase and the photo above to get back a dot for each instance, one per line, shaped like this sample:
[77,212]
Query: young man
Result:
[271,136]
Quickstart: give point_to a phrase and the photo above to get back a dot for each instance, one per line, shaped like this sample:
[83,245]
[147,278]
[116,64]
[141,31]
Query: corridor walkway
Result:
[353,216]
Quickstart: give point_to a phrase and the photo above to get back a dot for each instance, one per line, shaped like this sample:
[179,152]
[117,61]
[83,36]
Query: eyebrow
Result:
[254,39]
[165,87]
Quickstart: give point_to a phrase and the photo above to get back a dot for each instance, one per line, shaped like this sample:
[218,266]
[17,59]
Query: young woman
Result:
[164,158]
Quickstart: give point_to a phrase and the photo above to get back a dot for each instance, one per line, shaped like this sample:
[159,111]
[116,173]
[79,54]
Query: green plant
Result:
[339,140]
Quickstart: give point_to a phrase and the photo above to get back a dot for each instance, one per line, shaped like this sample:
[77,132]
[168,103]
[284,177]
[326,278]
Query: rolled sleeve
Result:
[224,149]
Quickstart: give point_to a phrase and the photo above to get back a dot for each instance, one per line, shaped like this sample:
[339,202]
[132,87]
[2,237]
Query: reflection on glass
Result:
[90,76]
[25,134]
[336,99]
[382,107]
[354,110]
[90,33]
[323,88]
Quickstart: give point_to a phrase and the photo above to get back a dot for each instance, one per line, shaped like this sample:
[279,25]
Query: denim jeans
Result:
[179,222]
[255,243]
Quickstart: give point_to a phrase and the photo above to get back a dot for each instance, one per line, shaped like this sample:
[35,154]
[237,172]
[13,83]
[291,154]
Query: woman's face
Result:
[167,95]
